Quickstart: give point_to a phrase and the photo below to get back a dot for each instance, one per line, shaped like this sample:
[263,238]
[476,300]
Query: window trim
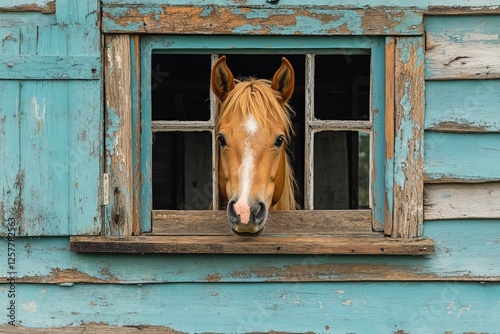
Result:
[405,226]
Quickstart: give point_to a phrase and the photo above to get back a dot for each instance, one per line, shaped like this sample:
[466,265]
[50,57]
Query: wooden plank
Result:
[348,307]
[94,329]
[28,67]
[197,222]
[462,201]
[464,157]
[138,224]
[50,261]
[85,13]
[390,78]
[85,147]
[462,10]
[462,106]
[44,158]
[378,165]
[44,7]
[456,49]
[252,245]
[408,147]
[259,20]
[118,129]
[11,177]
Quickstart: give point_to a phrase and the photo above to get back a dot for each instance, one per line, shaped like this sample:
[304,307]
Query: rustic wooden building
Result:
[108,168]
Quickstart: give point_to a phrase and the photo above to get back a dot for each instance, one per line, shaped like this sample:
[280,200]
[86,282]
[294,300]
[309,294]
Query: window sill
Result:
[286,232]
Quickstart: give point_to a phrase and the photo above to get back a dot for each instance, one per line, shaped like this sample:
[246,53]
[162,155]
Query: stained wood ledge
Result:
[251,245]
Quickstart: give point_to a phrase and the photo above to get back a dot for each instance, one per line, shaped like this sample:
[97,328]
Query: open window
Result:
[357,146]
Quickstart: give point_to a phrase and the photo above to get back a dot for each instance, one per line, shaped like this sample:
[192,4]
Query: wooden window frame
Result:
[395,226]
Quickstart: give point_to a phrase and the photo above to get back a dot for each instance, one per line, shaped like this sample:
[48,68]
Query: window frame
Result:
[401,215]
[337,45]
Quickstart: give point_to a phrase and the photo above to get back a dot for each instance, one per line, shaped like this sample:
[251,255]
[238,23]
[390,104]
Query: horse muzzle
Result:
[248,221]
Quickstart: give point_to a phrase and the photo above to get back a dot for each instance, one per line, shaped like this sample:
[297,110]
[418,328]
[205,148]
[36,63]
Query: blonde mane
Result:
[256,97]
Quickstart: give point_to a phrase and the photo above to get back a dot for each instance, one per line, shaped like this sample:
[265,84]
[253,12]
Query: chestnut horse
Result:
[253,129]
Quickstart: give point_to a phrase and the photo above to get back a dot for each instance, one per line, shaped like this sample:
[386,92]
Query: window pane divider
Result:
[184,126]
[334,125]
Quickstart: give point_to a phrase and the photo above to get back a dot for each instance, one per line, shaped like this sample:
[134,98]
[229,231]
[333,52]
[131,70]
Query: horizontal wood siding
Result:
[264,19]
[255,308]
[462,106]
[462,47]
[49,260]
[51,127]
[461,157]
[462,201]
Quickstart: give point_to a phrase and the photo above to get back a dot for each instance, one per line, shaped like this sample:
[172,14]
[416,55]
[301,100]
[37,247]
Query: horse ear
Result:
[222,79]
[284,80]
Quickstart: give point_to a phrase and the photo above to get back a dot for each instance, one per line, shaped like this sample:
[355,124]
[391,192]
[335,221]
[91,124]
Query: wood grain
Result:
[118,129]
[253,245]
[457,49]
[462,201]
[259,20]
[409,124]
[330,222]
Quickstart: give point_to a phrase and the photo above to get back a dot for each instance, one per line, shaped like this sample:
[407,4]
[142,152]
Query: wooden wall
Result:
[456,290]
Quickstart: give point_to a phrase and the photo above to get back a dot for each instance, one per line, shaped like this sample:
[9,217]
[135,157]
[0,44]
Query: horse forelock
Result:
[256,97]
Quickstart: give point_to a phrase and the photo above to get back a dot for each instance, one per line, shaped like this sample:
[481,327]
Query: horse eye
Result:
[222,140]
[279,142]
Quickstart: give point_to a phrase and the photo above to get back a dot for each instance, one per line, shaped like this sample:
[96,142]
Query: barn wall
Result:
[455,290]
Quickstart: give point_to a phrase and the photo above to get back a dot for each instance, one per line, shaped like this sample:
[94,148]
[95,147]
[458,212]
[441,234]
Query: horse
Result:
[253,129]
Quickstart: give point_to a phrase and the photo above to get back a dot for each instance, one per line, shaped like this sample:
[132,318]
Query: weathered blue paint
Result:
[461,253]
[467,157]
[315,20]
[51,144]
[379,173]
[256,44]
[54,113]
[405,105]
[292,308]
[472,105]
[349,3]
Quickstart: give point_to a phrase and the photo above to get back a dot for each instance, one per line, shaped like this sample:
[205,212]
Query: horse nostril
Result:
[231,213]
[259,212]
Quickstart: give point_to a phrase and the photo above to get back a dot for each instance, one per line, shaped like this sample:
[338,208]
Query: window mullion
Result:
[309,134]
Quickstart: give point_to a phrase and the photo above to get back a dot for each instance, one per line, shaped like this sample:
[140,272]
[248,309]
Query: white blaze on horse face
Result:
[246,172]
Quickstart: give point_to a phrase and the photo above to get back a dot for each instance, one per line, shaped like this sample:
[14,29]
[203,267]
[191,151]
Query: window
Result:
[359,106]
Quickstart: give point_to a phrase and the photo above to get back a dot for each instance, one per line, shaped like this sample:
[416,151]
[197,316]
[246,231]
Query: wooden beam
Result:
[300,222]
[252,245]
[118,130]
[259,20]
[409,134]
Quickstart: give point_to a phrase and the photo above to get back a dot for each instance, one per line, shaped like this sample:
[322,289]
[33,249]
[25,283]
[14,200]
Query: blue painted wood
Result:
[466,157]
[379,173]
[10,20]
[461,254]
[258,44]
[54,170]
[461,28]
[84,13]
[10,178]
[471,105]
[293,19]
[354,3]
[292,308]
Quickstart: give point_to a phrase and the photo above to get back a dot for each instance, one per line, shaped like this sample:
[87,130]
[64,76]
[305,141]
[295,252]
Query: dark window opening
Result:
[181,162]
